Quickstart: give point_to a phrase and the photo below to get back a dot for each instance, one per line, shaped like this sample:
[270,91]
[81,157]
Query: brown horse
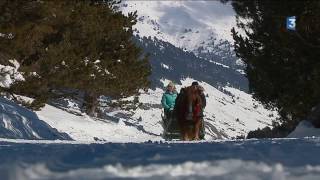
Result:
[188,108]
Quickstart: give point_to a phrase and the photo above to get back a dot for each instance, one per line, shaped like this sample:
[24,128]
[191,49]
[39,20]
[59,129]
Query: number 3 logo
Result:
[291,23]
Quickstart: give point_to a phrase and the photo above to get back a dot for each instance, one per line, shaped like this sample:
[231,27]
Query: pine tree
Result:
[71,44]
[283,66]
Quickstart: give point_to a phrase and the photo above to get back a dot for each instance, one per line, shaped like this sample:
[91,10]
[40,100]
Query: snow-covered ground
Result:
[227,115]
[268,159]
[85,128]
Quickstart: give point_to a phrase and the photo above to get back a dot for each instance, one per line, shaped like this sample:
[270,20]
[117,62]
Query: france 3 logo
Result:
[291,23]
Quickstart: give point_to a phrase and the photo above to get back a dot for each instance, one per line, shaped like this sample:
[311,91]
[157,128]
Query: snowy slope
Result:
[230,113]
[20,123]
[85,128]
[203,28]
[226,116]
[170,62]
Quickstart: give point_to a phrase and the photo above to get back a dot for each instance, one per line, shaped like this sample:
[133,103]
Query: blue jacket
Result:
[168,99]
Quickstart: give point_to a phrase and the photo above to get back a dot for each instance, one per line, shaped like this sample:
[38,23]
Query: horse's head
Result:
[193,100]
[189,101]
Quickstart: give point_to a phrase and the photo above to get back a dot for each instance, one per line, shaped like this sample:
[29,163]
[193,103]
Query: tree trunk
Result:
[91,103]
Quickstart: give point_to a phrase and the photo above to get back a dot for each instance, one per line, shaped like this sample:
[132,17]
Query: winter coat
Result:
[169,99]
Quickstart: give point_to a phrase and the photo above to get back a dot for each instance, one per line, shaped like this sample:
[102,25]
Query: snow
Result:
[231,115]
[228,114]
[185,24]
[224,169]
[18,122]
[165,66]
[85,128]
[127,143]
[240,62]
[264,159]
[305,129]
[10,74]
[219,64]
[241,71]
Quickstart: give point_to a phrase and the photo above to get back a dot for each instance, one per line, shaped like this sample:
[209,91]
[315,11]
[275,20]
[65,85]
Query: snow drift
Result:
[18,122]
[263,159]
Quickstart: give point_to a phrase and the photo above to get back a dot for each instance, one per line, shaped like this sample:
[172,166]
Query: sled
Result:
[171,130]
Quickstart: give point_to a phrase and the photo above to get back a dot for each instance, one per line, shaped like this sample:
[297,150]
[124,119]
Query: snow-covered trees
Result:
[70,44]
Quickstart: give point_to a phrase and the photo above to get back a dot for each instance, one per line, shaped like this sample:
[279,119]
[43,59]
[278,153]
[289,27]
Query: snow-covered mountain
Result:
[170,62]
[183,23]
[201,30]
[201,27]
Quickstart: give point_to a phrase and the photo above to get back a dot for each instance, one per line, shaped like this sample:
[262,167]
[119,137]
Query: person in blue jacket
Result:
[168,99]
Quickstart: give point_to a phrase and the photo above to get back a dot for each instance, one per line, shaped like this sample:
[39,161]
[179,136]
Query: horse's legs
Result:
[197,126]
[187,132]
[183,132]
